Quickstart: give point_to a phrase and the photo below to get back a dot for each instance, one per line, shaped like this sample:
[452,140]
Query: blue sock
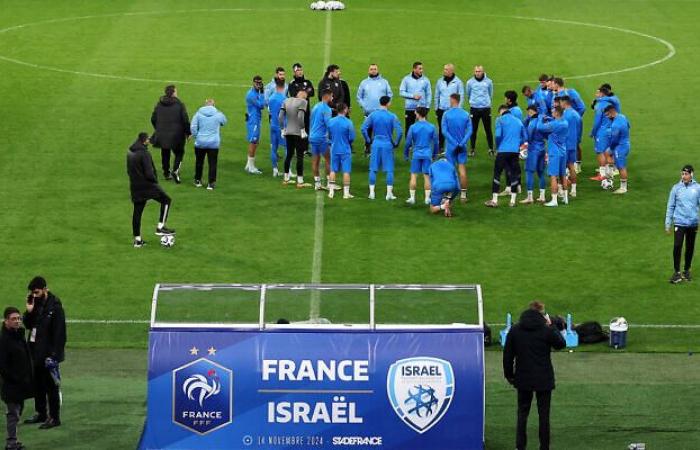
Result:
[372,177]
[390,178]
[543,181]
[530,180]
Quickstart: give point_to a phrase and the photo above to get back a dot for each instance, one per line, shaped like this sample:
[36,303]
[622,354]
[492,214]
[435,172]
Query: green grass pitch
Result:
[75,91]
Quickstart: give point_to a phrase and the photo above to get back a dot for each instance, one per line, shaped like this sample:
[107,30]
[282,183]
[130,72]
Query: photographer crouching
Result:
[46,323]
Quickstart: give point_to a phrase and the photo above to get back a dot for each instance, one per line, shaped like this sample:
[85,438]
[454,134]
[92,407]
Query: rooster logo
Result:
[199,383]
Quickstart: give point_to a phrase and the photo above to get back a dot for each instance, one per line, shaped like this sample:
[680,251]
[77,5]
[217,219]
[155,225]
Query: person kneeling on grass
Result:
[342,134]
[445,186]
[423,138]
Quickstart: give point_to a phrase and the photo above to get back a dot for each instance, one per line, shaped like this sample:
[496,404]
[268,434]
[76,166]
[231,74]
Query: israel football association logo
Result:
[202,396]
[420,390]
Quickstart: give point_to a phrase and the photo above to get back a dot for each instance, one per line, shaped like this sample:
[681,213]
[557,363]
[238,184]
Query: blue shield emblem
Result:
[420,390]
[202,396]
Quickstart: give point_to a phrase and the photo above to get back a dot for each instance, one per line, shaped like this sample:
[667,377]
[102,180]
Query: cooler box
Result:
[618,332]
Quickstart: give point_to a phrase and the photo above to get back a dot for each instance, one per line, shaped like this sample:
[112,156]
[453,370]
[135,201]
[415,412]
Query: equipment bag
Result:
[591,333]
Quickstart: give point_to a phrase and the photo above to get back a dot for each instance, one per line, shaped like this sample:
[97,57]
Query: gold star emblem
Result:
[194,351]
[211,350]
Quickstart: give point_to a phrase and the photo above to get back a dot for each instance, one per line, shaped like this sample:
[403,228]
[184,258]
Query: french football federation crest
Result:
[202,396]
[420,390]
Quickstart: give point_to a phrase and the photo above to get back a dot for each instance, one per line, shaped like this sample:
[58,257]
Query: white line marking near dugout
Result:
[667,44]
[317,261]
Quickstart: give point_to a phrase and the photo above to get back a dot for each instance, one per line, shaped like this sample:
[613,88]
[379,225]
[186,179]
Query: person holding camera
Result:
[15,372]
[527,365]
[46,322]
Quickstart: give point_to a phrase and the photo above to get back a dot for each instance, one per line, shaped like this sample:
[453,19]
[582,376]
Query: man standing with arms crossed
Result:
[384,125]
[457,128]
[321,115]
[480,93]
[416,91]
[447,85]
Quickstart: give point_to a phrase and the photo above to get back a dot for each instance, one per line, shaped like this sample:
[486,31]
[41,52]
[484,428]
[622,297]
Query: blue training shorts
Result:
[620,155]
[420,165]
[253,132]
[440,190]
[556,166]
[319,148]
[381,157]
[457,156]
[341,163]
[602,143]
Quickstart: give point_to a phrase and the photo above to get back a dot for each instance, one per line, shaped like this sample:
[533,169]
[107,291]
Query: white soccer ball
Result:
[329,6]
[606,184]
[320,4]
[313,6]
[167,240]
[341,6]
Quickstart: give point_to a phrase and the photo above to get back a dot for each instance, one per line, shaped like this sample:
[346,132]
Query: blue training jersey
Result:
[255,103]
[442,172]
[556,132]
[274,104]
[342,135]
[423,137]
[320,119]
[456,127]
[383,125]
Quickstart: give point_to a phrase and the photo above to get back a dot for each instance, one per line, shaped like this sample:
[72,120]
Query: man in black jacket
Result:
[172,129]
[15,373]
[299,83]
[527,365]
[331,82]
[46,322]
[144,186]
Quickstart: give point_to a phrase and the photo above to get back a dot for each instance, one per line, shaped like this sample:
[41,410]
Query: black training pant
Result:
[438,114]
[14,411]
[295,145]
[509,162]
[212,155]
[689,233]
[165,159]
[483,114]
[409,119]
[44,387]
[544,399]
[139,206]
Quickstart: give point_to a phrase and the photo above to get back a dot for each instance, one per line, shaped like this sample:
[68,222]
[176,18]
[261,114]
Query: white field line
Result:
[668,45]
[317,259]
[146,322]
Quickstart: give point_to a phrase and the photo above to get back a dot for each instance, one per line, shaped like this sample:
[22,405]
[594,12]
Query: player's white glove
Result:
[284,132]
[303,134]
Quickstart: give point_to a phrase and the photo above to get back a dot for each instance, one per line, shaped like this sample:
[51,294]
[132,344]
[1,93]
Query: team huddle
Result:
[547,137]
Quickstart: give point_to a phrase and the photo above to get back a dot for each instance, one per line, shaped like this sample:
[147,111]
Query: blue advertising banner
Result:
[321,389]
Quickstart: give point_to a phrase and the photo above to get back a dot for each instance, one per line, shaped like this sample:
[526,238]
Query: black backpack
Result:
[590,333]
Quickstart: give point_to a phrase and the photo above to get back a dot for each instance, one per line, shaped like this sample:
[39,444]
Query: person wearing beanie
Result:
[682,220]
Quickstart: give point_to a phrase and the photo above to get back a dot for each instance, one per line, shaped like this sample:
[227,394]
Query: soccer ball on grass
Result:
[606,184]
[167,240]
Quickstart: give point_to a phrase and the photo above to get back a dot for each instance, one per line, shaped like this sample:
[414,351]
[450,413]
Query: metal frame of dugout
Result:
[316,384]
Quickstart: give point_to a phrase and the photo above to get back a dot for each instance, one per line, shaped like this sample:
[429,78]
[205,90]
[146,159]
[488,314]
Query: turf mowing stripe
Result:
[317,260]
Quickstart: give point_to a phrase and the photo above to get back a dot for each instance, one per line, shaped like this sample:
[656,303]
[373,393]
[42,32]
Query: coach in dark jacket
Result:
[172,128]
[527,365]
[15,372]
[46,322]
[144,186]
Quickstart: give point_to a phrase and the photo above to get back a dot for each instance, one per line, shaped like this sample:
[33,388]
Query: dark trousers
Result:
[164,201]
[409,119]
[544,399]
[14,411]
[511,164]
[483,114]
[689,234]
[212,155]
[438,114]
[165,159]
[295,146]
[45,388]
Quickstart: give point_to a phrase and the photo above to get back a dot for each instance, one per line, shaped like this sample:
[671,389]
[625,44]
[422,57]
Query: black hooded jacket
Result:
[15,366]
[142,173]
[527,361]
[49,320]
[171,122]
